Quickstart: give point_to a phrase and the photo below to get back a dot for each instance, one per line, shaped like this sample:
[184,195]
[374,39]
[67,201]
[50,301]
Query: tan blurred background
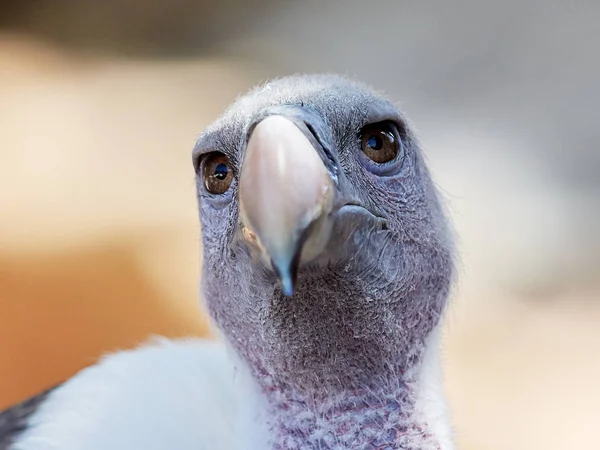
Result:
[100,103]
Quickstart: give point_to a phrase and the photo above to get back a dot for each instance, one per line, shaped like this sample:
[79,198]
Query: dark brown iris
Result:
[217,173]
[379,142]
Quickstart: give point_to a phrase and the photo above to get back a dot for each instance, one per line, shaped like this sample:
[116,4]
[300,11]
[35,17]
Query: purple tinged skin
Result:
[338,361]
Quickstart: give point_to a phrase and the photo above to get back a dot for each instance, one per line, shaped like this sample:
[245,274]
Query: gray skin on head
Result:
[361,312]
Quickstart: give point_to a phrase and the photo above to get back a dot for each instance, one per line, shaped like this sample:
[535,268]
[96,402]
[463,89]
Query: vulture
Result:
[327,262]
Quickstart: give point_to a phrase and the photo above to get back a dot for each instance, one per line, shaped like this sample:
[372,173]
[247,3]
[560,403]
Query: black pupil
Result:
[221,171]
[375,142]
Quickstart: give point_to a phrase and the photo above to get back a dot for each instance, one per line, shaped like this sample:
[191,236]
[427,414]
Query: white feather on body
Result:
[189,394]
[165,395]
[431,403]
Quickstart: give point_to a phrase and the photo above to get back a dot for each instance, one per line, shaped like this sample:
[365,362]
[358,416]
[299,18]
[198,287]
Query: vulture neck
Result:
[405,412]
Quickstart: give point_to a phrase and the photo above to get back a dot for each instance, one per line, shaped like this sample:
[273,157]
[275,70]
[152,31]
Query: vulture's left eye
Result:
[380,142]
[217,173]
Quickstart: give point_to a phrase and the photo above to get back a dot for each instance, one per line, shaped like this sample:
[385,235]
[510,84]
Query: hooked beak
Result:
[286,195]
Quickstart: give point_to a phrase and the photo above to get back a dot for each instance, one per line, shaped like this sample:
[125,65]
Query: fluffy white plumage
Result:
[189,394]
[167,394]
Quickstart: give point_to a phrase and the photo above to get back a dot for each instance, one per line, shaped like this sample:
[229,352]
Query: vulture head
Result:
[327,260]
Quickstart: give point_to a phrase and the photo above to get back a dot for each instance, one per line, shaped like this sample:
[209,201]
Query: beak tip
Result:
[286,279]
[287,287]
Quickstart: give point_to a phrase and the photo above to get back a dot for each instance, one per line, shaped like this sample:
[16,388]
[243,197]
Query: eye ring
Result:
[380,142]
[217,173]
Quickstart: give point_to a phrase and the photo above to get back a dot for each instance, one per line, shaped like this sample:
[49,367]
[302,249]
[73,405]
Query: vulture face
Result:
[326,256]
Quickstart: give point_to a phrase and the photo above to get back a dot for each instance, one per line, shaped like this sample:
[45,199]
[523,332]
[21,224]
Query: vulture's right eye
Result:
[380,142]
[217,173]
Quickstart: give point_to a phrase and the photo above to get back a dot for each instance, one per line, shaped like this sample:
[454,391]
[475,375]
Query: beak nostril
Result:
[312,131]
[331,162]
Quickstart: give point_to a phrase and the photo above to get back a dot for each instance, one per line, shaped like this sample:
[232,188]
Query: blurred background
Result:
[100,104]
